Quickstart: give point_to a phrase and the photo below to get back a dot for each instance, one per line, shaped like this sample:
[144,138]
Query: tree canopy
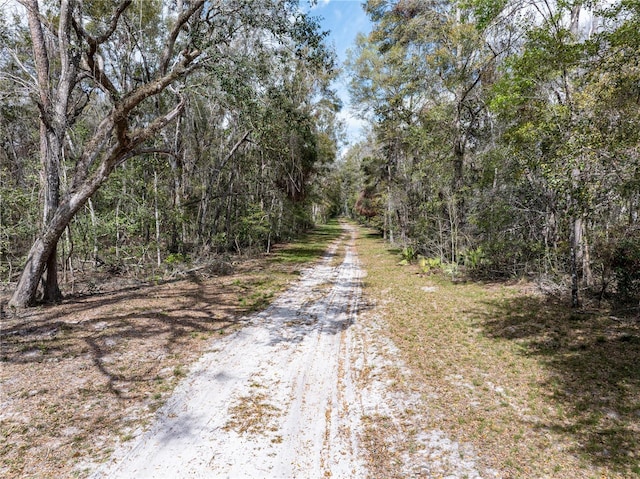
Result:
[209,118]
[507,133]
[504,135]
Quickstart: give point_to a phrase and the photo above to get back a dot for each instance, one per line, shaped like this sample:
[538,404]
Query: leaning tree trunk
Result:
[41,255]
[43,252]
[85,185]
[119,135]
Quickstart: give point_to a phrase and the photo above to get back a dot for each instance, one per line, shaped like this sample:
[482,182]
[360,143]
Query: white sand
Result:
[293,375]
[295,358]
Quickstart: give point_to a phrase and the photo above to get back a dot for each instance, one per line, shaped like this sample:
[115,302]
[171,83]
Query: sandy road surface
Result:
[276,399]
[284,397]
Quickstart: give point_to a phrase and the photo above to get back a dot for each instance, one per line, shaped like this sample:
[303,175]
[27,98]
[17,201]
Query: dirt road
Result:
[281,398]
[276,399]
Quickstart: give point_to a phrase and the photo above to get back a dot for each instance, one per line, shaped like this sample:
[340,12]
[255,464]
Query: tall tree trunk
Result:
[575,247]
[156,217]
[94,227]
[53,104]
[587,273]
[576,260]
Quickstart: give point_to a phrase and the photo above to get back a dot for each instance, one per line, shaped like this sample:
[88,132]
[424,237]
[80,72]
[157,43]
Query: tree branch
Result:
[142,134]
[113,22]
[40,53]
[183,18]
[93,66]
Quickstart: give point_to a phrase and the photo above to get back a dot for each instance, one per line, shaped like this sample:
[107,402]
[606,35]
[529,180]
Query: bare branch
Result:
[142,134]
[18,80]
[23,67]
[236,146]
[144,151]
[138,95]
[183,18]
[98,75]
[93,66]
[113,22]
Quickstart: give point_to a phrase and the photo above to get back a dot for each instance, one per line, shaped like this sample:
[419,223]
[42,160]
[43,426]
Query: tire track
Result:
[276,399]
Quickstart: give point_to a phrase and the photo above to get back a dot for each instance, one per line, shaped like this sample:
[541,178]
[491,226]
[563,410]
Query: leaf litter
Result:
[306,388]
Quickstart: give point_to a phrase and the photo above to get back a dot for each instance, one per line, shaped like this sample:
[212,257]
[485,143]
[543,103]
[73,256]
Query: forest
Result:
[503,137]
[142,133]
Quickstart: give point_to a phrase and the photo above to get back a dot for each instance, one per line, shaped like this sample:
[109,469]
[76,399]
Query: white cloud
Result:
[318,4]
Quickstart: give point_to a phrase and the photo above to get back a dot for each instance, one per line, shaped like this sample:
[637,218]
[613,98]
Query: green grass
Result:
[257,290]
[538,389]
[309,247]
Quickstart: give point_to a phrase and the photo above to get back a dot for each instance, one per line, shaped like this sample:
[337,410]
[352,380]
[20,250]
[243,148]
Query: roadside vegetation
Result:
[78,377]
[537,388]
[504,134]
[154,131]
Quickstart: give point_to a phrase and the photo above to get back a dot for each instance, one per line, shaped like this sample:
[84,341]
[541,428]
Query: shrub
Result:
[429,265]
[625,265]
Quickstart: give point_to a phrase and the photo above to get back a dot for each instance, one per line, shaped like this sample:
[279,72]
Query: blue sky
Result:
[344,19]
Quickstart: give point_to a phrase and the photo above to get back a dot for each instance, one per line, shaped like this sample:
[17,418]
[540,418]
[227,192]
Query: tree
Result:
[105,89]
[508,128]
[422,72]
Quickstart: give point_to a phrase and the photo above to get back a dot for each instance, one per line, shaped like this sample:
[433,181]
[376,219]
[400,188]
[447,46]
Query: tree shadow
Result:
[594,361]
[108,326]
[99,364]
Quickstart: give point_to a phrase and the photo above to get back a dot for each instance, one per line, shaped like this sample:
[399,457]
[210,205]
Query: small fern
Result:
[408,256]
[473,258]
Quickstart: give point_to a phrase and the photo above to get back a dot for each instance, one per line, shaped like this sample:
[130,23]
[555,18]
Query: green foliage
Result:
[238,169]
[429,265]
[408,255]
[493,132]
[174,259]
[473,258]
[484,11]
[626,267]
[504,199]
[450,269]
[253,226]
[18,217]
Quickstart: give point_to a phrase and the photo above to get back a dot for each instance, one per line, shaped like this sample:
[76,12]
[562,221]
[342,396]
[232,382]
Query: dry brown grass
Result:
[253,413]
[383,459]
[538,390]
[78,377]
